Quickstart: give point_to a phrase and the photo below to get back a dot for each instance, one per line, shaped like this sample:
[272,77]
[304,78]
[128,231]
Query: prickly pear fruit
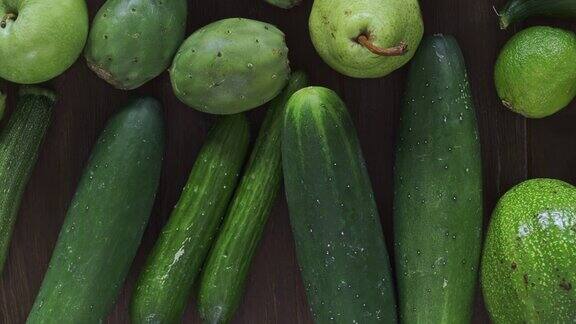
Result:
[284,4]
[231,66]
[133,41]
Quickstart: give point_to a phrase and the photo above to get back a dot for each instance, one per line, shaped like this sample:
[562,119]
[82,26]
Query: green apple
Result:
[366,38]
[40,39]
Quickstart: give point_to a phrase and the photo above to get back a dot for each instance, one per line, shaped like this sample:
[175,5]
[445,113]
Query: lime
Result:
[536,71]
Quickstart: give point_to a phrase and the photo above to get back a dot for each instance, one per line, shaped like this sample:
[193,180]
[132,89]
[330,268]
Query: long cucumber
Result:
[168,277]
[106,219]
[226,269]
[438,189]
[19,144]
[339,241]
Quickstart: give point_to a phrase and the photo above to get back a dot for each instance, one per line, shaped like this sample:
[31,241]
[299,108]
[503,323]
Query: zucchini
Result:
[19,144]
[339,241]
[106,220]
[284,4]
[517,10]
[226,269]
[168,277]
[438,189]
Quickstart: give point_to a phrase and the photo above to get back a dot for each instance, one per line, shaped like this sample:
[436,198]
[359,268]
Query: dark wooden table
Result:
[514,149]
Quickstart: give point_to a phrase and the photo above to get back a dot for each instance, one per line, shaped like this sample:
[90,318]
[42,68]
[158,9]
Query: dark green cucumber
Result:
[167,279]
[106,220]
[284,4]
[19,143]
[226,269]
[517,10]
[339,241]
[438,189]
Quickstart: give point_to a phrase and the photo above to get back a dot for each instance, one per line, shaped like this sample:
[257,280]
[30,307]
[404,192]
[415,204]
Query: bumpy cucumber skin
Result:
[134,41]
[517,10]
[284,4]
[167,279]
[438,189]
[339,241]
[529,256]
[106,219]
[230,66]
[20,141]
[226,269]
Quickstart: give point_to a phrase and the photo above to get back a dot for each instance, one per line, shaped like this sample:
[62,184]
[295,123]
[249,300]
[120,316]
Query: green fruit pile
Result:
[233,65]
[227,67]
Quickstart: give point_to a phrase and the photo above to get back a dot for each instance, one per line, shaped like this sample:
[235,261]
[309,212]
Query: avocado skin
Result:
[529,261]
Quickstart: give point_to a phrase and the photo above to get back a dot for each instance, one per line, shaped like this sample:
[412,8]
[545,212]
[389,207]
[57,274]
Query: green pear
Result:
[366,38]
[40,39]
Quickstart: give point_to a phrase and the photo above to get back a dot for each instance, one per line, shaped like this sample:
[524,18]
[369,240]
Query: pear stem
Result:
[8,16]
[401,49]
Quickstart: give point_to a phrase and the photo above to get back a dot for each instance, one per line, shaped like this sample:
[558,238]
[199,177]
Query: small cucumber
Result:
[167,279]
[339,241]
[517,10]
[284,4]
[19,144]
[106,220]
[438,189]
[226,269]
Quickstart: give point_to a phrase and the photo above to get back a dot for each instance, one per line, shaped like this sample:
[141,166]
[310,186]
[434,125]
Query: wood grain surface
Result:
[514,149]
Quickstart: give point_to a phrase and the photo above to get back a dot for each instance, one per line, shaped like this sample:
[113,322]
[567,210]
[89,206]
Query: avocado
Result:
[535,73]
[529,260]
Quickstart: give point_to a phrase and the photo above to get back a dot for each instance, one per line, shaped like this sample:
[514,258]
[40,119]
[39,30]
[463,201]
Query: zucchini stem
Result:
[401,49]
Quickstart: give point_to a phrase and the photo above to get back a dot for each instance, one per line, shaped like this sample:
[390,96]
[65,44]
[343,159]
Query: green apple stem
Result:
[7,17]
[401,49]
